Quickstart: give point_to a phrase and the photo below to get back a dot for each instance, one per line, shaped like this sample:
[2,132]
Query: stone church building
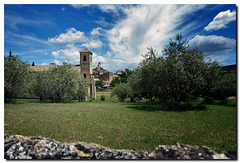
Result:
[85,68]
[89,73]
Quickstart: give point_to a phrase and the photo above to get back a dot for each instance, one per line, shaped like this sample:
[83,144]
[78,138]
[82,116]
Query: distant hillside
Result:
[228,68]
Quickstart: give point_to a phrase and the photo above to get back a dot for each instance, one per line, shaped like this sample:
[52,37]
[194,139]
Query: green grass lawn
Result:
[106,94]
[123,125]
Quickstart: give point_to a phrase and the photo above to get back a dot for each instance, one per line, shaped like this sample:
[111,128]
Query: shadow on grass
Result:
[157,106]
[24,101]
[230,103]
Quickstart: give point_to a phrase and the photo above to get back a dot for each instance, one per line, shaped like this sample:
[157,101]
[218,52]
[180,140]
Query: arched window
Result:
[85,76]
[84,58]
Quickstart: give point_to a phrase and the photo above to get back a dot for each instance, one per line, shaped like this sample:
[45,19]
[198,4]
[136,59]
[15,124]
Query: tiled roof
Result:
[86,50]
[42,68]
[119,72]
[115,76]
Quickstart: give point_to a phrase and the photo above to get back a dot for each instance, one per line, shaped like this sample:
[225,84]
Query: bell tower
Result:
[86,70]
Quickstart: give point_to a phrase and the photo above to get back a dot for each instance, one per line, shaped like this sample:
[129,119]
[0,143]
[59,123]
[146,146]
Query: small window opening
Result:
[85,76]
[84,58]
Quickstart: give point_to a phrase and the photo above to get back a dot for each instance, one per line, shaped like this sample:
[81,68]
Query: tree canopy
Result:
[179,75]
[59,83]
[16,73]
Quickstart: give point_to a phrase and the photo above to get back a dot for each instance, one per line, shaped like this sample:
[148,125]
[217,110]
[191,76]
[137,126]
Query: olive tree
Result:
[122,91]
[59,83]
[227,86]
[16,73]
[40,85]
[211,73]
[179,75]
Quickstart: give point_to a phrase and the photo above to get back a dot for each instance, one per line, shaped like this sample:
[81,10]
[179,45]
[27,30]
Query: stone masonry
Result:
[20,147]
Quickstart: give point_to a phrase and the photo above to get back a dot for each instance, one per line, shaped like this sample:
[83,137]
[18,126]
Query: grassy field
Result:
[106,94]
[137,126]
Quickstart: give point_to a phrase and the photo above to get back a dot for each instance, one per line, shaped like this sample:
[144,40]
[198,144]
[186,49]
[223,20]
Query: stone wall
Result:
[20,147]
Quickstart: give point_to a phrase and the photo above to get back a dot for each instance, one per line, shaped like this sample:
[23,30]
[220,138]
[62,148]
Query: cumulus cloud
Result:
[70,52]
[221,20]
[141,26]
[93,44]
[71,36]
[212,44]
[96,31]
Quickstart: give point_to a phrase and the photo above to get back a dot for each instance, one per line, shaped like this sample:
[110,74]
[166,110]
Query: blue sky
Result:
[118,35]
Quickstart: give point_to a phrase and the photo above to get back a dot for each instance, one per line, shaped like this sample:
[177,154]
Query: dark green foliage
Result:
[103,98]
[114,82]
[211,75]
[180,76]
[122,91]
[123,78]
[229,68]
[59,83]
[175,76]
[99,83]
[226,87]
[16,73]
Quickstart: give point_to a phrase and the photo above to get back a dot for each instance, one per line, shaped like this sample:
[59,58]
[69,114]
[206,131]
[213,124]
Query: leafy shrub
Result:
[103,98]
[122,91]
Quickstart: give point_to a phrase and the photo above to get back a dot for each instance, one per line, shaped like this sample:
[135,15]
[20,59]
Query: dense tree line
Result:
[16,73]
[123,78]
[57,84]
[181,74]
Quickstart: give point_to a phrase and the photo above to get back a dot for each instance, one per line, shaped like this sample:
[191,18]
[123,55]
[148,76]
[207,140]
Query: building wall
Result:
[86,66]
[108,76]
[86,70]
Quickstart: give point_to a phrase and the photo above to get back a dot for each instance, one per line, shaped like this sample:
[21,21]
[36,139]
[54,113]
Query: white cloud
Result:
[113,8]
[98,58]
[70,52]
[108,55]
[70,43]
[13,21]
[44,64]
[57,62]
[71,36]
[78,6]
[212,44]
[148,26]
[93,44]
[221,20]
[24,40]
[96,31]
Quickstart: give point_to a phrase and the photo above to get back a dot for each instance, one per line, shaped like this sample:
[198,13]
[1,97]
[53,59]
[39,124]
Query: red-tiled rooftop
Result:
[42,68]
[86,50]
